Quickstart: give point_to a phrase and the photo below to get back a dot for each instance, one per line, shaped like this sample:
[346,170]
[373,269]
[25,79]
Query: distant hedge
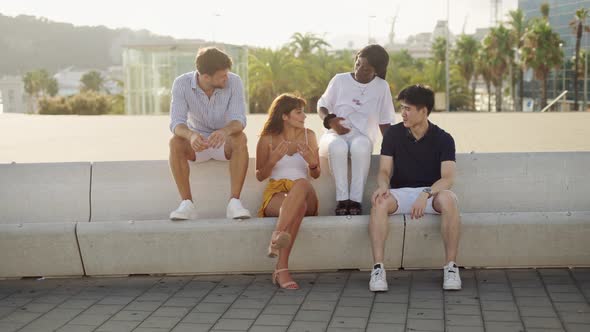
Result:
[85,103]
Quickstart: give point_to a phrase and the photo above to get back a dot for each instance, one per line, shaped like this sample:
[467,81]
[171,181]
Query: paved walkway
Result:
[491,300]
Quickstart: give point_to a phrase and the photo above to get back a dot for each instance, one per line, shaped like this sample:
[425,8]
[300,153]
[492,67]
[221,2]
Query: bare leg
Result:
[379,225]
[237,153]
[446,203]
[180,153]
[293,207]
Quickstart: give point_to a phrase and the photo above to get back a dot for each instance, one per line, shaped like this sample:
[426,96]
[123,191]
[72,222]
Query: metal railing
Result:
[554,101]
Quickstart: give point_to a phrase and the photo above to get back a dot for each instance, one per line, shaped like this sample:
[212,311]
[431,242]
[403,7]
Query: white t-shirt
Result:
[364,106]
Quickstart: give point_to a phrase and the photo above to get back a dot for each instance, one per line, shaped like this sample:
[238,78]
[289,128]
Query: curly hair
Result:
[377,57]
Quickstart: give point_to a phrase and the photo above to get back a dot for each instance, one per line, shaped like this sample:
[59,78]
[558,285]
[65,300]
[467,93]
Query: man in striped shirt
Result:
[207,118]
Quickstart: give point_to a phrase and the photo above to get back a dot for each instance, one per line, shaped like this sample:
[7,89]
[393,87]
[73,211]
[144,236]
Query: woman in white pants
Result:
[355,107]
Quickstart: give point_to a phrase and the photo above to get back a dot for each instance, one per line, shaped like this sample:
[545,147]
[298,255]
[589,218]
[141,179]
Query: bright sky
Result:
[266,22]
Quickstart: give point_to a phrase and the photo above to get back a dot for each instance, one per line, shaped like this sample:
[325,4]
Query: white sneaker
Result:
[452,280]
[378,281]
[235,210]
[185,211]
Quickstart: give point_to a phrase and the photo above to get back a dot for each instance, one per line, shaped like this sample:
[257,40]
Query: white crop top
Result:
[290,167]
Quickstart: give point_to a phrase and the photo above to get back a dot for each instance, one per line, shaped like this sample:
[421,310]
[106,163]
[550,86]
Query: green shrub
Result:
[89,103]
[54,105]
[117,104]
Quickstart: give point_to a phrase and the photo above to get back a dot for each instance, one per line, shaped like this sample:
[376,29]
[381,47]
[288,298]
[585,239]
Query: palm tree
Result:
[497,45]
[305,44]
[541,52]
[518,26]
[38,83]
[271,73]
[403,70]
[321,66]
[464,54]
[460,96]
[578,25]
[482,67]
[545,11]
[439,47]
[92,81]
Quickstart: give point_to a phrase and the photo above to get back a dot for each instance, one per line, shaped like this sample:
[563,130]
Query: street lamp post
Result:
[215,19]
[511,85]
[448,90]
[563,81]
[516,98]
[585,103]
[369,39]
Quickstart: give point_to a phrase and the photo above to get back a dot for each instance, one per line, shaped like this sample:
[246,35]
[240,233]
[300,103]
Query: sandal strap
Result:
[281,270]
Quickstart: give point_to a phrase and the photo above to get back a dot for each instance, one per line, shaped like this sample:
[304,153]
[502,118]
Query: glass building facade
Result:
[561,13]
[150,71]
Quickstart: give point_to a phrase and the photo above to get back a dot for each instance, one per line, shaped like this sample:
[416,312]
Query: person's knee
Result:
[239,140]
[302,185]
[177,144]
[448,200]
[361,146]
[382,205]
[338,147]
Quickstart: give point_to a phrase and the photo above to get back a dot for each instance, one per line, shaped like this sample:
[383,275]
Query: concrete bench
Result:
[518,210]
[130,233]
[40,206]
[111,218]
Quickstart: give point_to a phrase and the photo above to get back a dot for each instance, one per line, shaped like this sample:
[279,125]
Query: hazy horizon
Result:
[263,23]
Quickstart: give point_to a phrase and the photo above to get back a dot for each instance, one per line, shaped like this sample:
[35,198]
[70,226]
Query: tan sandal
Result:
[279,240]
[287,285]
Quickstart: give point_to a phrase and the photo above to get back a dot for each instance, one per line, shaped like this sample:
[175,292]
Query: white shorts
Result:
[406,197]
[211,153]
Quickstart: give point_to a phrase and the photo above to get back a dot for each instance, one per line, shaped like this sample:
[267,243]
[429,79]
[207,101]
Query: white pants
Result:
[337,148]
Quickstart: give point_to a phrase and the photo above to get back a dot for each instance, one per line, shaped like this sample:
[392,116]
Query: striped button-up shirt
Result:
[191,106]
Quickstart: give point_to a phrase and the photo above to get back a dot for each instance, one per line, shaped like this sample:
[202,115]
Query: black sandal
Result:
[341,208]
[355,208]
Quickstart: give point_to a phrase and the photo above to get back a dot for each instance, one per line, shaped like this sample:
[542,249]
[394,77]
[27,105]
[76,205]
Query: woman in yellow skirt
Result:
[287,153]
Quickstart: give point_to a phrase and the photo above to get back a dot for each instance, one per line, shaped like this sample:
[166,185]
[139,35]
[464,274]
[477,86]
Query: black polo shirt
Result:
[417,163]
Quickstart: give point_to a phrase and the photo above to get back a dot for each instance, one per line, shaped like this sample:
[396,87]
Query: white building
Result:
[68,79]
[420,45]
[12,94]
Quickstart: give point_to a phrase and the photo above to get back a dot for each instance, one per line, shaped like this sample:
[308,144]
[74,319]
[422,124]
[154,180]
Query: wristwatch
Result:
[428,191]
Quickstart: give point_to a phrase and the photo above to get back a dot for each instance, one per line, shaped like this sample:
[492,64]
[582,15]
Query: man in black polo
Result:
[422,159]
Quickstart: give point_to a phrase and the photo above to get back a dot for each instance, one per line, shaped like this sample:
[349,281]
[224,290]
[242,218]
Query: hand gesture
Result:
[418,207]
[198,142]
[305,151]
[380,194]
[277,153]
[337,126]
[217,138]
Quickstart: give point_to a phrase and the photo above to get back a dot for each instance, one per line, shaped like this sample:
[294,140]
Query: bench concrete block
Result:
[227,246]
[145,190]
[42,249]
[523,182]
[511,239]
[44,193]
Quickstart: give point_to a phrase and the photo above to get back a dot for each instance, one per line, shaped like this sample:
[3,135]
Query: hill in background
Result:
[28,42]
